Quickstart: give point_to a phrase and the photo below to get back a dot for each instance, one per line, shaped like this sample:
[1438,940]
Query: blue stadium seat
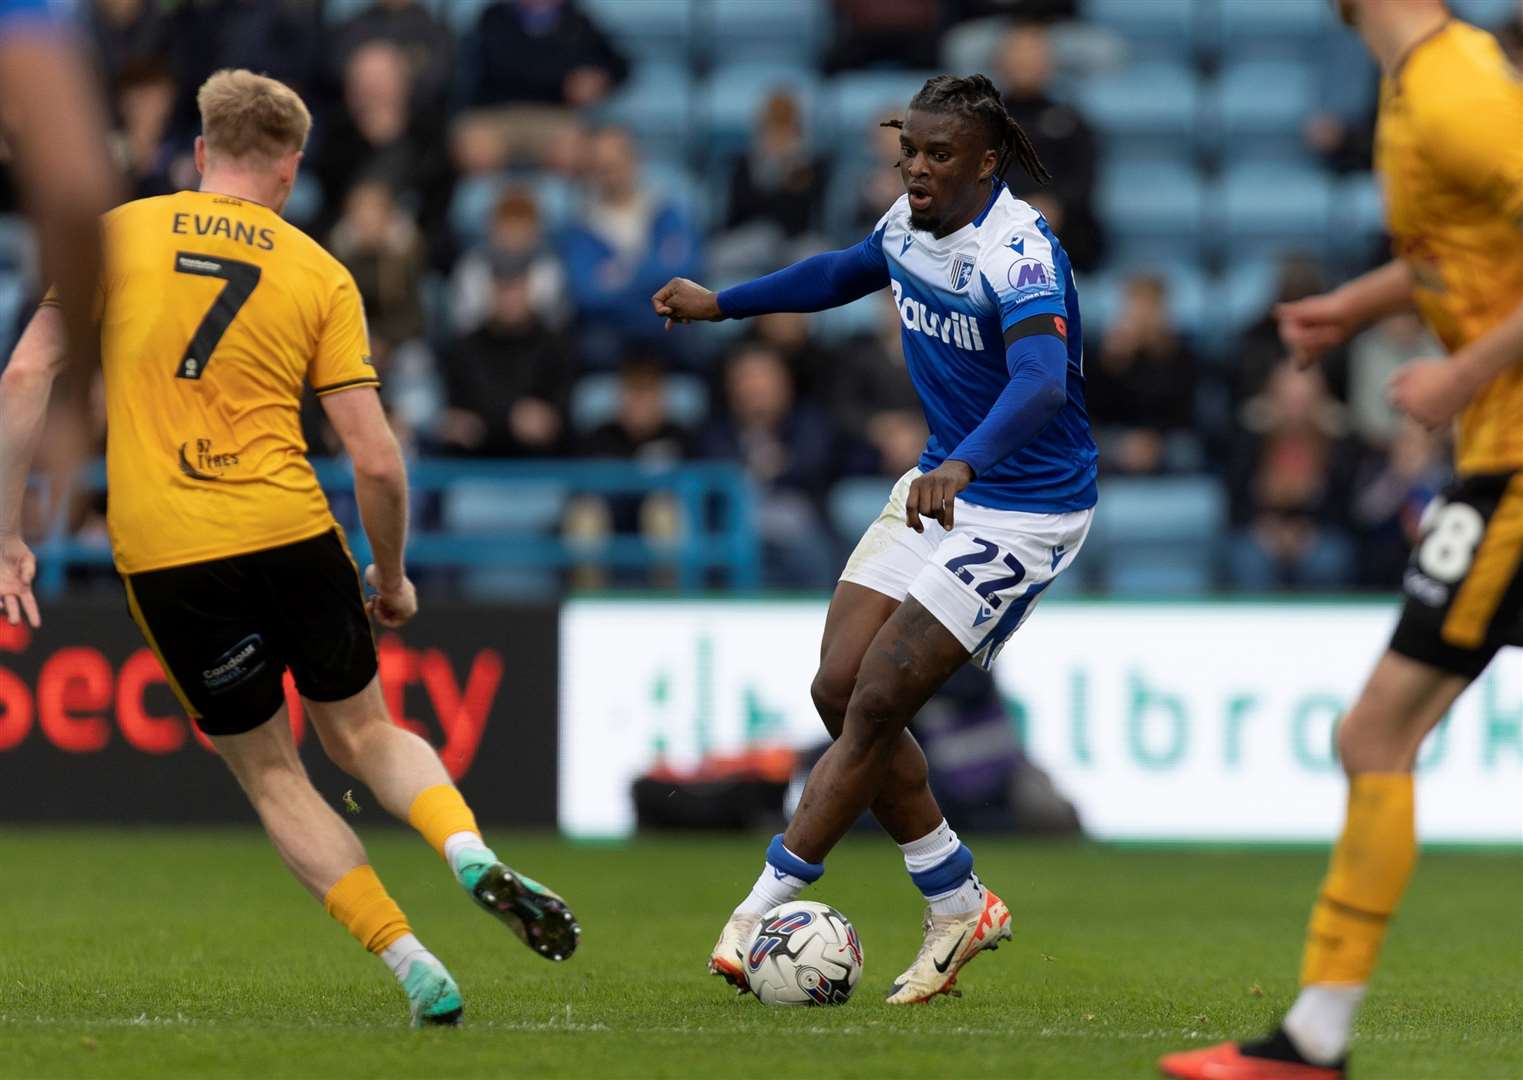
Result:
[1101,297]
[858,317]
[15,241]
[1155,25]
[855,503]
[1245,292]
[647,29]
[306,201]
[730,98]
[336,12]
[1155,204]
[793,31]
[13,293]
[1142,106]
[856,99]
[1244,21]
[1259,107]
[487,507]
[1487,13]
[656,104]
[1158,536]
[1265,207]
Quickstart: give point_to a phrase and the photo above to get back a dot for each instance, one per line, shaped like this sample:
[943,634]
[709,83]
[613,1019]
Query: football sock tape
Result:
[440,812]
[362,904]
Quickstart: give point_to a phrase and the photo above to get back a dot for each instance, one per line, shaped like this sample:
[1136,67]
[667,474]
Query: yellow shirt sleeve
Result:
[343,353]
[1473,136]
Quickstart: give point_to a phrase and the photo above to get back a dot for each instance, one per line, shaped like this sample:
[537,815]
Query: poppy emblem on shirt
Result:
[962,271]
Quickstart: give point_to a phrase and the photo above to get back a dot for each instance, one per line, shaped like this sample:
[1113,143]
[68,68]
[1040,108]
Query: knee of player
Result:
[876,710]
[832,695]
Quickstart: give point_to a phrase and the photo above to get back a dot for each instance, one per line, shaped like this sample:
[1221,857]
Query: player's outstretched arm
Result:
[822,281]
[53,119]
[380,487]
[1312,326]
[24,388]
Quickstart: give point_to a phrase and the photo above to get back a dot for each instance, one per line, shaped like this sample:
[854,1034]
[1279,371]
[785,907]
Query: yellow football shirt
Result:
[1449,151]
[215,313]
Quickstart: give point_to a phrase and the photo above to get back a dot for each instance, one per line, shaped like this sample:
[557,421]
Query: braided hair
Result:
[975,97]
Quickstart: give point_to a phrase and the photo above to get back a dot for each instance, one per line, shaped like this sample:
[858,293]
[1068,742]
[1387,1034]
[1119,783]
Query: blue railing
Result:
[503,515]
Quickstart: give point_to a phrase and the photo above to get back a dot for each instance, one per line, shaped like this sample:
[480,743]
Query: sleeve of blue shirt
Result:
[17,14]
[818,282]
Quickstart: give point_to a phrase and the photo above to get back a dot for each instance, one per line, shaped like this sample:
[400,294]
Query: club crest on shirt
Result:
[962,272]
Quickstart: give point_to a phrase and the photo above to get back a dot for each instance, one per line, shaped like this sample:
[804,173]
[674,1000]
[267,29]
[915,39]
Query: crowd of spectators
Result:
[486,324]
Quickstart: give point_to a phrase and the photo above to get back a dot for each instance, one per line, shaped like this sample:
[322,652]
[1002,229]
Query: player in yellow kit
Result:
[1449,150]
[214,314]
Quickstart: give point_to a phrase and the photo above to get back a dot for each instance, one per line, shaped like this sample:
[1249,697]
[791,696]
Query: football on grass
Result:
[804,953]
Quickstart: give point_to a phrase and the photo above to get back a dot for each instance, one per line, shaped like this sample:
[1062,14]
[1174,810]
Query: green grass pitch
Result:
[166,953]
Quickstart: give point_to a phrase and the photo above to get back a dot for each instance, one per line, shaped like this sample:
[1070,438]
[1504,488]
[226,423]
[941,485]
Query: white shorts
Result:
[982,578]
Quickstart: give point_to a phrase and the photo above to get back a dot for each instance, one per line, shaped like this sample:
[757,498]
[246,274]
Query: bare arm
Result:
[52,118]
[1434,391]
[24,389]
[380,487]
[1312,326]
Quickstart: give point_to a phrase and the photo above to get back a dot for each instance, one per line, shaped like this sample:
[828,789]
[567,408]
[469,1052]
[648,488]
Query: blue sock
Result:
[784,876]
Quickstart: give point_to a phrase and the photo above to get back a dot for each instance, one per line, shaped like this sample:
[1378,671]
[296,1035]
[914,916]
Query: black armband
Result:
[1055,325]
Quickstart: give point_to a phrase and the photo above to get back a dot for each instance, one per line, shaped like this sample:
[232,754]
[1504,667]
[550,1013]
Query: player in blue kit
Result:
[999,504]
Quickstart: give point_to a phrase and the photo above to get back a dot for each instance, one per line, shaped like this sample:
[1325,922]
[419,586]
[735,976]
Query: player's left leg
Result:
[909,659]
[328,859]
[407,777]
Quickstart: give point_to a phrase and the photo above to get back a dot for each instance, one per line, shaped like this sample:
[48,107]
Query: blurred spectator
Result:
[1391,493]
[870,184]
[1292,487]
[508,381]
[884,33]
[789,333]
[626,243]
[145,102]
[778,182]
[283,39]
[1373,358]
[524,66]
[641,428]
[1510,34]
[413,28]
[378,135]
[869,394]
[786,446]
[382,248]
[1140,390]
[539,52]
[515,229]
[1259,348]
[128,34]
[1063,140]
[1342,131]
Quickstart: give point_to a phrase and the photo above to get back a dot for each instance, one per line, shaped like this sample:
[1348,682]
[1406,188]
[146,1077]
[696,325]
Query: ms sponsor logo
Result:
[955,328]
[1030,279]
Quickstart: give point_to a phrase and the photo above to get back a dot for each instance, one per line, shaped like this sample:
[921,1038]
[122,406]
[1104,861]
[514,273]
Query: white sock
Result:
[401,953]
[1321,1022]
[930,851]
[771,889]
[969,896]
[466,843]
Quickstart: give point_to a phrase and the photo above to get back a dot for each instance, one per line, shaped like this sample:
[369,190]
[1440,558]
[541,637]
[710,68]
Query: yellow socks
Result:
[440,813]
[1370,868]
[361,903]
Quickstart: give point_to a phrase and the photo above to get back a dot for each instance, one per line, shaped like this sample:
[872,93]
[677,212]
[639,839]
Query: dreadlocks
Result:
[975,97]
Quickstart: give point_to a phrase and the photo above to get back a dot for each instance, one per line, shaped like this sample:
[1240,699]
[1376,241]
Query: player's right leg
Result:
[317,605]
[410,781]
[222,665]
[328,859]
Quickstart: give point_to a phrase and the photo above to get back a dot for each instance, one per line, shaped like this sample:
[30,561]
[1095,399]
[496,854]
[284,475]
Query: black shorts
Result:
[226,630]
[1464,583]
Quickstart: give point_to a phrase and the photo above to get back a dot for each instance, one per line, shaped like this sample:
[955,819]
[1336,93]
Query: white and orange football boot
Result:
[728,960]
[950,942]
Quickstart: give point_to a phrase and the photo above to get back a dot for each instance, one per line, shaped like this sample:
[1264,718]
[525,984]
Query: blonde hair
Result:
[244,115]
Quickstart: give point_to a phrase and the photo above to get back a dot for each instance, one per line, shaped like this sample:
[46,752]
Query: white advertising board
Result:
[1208,721]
